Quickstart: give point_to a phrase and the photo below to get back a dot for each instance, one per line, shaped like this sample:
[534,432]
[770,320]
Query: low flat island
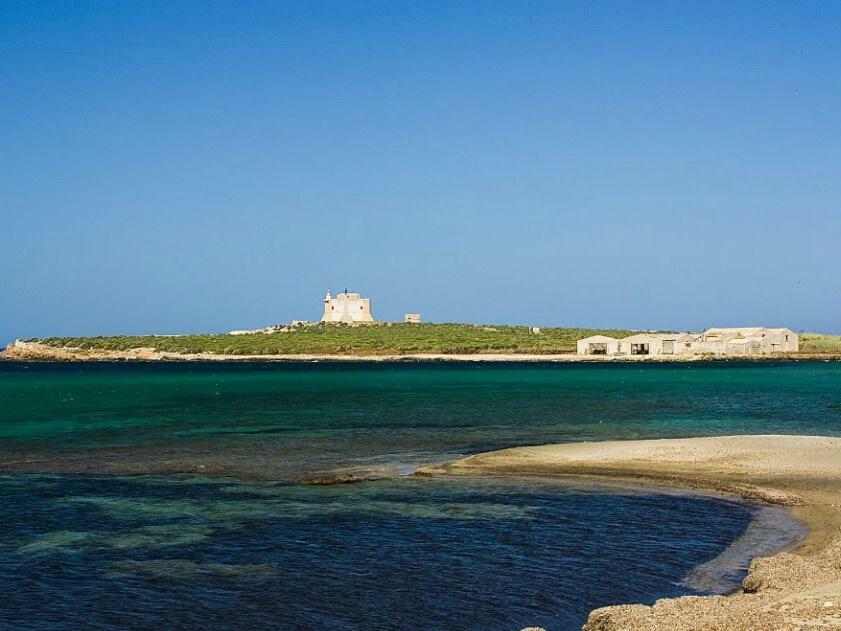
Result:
[794,590]
[373,342]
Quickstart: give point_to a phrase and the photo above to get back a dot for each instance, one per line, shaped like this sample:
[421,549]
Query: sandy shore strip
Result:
[37,351]
[798,590]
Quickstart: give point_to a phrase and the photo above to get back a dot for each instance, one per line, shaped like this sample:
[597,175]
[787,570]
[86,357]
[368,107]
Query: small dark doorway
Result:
[639,349]
[598,348]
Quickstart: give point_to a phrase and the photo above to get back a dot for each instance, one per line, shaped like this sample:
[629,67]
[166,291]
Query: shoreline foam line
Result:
[783,591]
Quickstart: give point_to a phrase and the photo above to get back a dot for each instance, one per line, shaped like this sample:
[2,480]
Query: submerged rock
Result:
[326,480]
[181,569]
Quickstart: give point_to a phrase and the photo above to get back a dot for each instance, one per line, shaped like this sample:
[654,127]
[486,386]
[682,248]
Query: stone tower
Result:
[349,308]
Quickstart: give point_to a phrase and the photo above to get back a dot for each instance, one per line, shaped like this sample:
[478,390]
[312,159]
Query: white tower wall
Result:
[349,308]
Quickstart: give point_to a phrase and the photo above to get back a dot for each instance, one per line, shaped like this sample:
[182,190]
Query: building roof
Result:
[687,337]
[599,338]
[746,331]
[649,336]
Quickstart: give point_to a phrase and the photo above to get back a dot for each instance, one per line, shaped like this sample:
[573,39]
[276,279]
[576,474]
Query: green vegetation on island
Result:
[332,339]
[820,343]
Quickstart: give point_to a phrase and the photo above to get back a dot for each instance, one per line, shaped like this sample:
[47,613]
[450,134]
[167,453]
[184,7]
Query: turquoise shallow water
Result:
[170,488]
[282,421]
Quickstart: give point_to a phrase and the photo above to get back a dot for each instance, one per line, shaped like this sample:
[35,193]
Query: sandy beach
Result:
[797,590]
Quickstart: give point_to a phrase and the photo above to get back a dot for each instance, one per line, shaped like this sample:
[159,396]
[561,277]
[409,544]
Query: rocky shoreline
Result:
[790,590]
[38,351]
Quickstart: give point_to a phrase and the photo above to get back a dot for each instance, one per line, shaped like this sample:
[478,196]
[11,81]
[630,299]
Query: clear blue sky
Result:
[178,166]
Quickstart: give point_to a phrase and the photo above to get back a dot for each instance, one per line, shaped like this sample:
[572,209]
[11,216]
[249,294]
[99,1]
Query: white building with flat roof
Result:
[598,345]
[754,340]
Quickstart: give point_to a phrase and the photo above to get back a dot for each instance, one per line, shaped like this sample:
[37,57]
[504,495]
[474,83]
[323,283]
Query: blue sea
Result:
[139,495]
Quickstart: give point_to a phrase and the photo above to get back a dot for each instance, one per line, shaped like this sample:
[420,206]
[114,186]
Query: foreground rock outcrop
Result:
[23,350]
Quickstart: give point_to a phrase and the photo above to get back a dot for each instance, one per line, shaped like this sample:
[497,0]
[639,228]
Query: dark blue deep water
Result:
[400,554]
[159,495]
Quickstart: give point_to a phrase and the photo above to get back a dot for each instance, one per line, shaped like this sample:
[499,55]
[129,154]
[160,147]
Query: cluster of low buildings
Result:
[721,342]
